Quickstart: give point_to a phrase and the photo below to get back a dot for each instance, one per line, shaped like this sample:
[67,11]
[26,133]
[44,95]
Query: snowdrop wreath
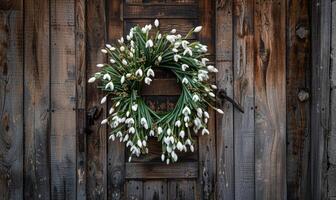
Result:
[131,64]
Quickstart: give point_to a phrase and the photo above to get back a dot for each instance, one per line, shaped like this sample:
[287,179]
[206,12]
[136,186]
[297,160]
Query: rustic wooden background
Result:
[283,146]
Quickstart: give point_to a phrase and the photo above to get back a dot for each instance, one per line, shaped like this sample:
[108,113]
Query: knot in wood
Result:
[303,95]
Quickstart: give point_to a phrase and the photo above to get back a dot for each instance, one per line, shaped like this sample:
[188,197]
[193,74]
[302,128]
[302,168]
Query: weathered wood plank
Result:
[162,87]
[134,190]
[37,99]
[96,134]
[297,92]
[207,143]
[155,190]
[182,189]
[153,11]
[80,28]
[270,99]
[63,100]
[11,104]
[159,170]
[116,149]
[162,1]
[224,140]
[11,5]
[320,102]
[244,93]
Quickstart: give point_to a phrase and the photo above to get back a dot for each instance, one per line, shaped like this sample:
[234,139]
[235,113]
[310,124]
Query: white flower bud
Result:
[110,86]
[104,121]
[148,80]
[220,111]
[162,157]
[173,31]
[122,48]
[178,123]
[139,143]
[150,72]
[156,23]
[103,100]
[112,61]
[182,134]
[139,72]
[92,79]
[100,65]
[112,137]
[184,67]
[124,62]
[135,107]
[122,79]
[111,110]
[103,51]
[198,29]
[149,43]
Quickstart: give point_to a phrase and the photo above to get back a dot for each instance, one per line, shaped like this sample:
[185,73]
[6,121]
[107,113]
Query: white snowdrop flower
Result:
[117,104]
[111,110]
[112,61]
[131,130]
[139,143]
[169,149]
[167,161]
[135,107]
[143,121]
[122,48]
[92,79]
[195,98]
[127,113]
[129,143]
[205,131]
[198,29]
[128,75]
[159,59]
[204,60]
[211,94]
[185,81]
[186,110]
[162,157]
[144,143]
[103,100]
[173,31]
[197,122]
[174,156]
[184,67]
[166,140]
[112,48]
[104,121]
[128,37]
[182,134]
[130,159]
[171,38]
[149,27]
[211,68]
[132,43]
[159,130]
[144,30]
[151,133]
[110,86]
[177,44]
[204,48]
[100,65]
[185,44]
[199,112]
[156,23]
[188,142]
[130,54]
[179,146]
[112,137]
[139,72]
[121,40]
[192,148]
[129,121]
[124,62]
[169,131]
[200,77]
[108,46]
[104,51]
[187,51]
[219,111]
[214,87]
[186,119]
[122,79]
[126,137]
[159,36]
[149,43]
[174,50]
[119,134]
[148,80]
[176,57]
[150,72]
[186,124]
[178,123]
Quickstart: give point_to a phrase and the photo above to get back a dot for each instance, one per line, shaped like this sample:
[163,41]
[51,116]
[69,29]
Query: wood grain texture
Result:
[96,134]
[11,103]
[207,143]
[320,102]
[243,35]
[37,99]
[224,140]
[182,189]
[134,190]
[155,190]
[80,28]
[63,100]
[298,99]
[270,99]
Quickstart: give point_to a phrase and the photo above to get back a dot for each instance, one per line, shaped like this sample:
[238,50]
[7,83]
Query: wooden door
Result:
[147,177]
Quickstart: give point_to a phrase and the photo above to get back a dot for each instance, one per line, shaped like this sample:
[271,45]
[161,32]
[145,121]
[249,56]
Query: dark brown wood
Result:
[270,99]
[297,86]
[63,100]
[320,102]
[155,190]
[11,5]
[162,87]
[134,190]
[224,126]
[159,170]
[11,103]
[182,189]
[80,13]
[37,99]
[243,35]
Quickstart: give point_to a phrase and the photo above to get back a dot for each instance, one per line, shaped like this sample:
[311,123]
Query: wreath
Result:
[131,65]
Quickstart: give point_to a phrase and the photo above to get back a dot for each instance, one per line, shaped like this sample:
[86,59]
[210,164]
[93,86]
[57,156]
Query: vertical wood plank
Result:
[116,149]
[244,93]
[155,190]
[224,140]
[80,14]
[11,103]
[270,99]
[298,98]
[182,189]
[134,190]
[63,102]
[207,143]
[321,29]
[332,138]
[96,134]
[37,99]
